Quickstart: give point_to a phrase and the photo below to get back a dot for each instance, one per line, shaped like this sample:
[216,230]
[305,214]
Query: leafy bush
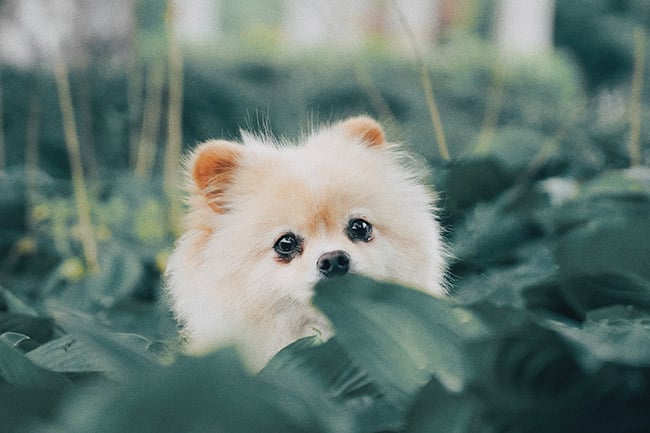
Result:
[546,328]
[606,54]
[547,331]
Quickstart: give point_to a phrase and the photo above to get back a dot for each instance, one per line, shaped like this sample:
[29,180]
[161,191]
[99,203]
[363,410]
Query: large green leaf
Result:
[121,356]
[69,354]
[438,410]
[573,298]
[617,246]
[617,334]
[330,372]
[401,337]
[323,378]
[531,264]
[23,407]
[38,328]
[19,341]
[16,369]
[209,394]
[472,181]
[13,304]
[588,292]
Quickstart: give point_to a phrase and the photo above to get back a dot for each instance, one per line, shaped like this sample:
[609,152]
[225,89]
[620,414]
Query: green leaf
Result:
[331,372]
[16,369]
[618,247]
[13,339]
[438,410]
[588,292]
[472,181]
[614,334]
[68,354]
[633,181]
[14,304]
[208,394]
[21,407]
[516,147]
[491,232]
[120,355]
[38,328]
[401,337]
[532,264]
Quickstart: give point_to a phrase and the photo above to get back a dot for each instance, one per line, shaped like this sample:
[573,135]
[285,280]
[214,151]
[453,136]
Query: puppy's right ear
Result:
[212,167]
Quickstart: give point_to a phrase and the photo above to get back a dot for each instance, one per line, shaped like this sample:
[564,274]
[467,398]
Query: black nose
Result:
[334,263]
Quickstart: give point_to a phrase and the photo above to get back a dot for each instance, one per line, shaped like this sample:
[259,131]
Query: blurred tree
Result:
[600,34]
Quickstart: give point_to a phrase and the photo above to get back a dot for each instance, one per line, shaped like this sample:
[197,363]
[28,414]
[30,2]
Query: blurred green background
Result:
[532,115]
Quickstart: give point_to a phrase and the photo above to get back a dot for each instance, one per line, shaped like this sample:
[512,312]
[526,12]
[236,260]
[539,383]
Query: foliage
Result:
[272,93]
[546,328]
[606,54]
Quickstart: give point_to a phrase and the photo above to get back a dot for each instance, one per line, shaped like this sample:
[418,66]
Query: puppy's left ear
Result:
[365,128]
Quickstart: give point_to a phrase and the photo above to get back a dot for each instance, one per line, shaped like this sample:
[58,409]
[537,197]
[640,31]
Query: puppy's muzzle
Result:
[334,263]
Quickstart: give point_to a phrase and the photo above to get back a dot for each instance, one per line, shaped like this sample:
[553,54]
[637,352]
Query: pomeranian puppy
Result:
[267,220]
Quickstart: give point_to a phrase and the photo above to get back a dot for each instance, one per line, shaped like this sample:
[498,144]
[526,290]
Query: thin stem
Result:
[134,88]
[635,103]
[3,151]
[135,84]
[88,241]
[87,235]
[174,147]
[436,121]
[551,146]
[150,121]
[493,107]
[32,139]
[375,97]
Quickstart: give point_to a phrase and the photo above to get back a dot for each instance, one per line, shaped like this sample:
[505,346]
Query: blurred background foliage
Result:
[545,201]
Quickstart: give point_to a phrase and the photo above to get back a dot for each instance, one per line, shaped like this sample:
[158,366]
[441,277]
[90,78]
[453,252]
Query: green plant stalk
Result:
[436,121]
[375,97]
[438,129]
[86,126]
[635,103]
[492,110]
[146,155]
[134,89]
[3,151]
[32,139]
[88,241]
[550,147]
[174,145]
[135,84]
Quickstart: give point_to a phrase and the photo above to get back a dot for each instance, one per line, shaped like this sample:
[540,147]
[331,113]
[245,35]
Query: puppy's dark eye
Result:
[359,230]
[288,245]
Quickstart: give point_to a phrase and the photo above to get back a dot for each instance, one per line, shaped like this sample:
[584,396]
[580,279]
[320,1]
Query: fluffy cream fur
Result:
[226,283]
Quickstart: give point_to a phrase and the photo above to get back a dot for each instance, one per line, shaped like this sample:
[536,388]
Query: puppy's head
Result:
[267,221]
